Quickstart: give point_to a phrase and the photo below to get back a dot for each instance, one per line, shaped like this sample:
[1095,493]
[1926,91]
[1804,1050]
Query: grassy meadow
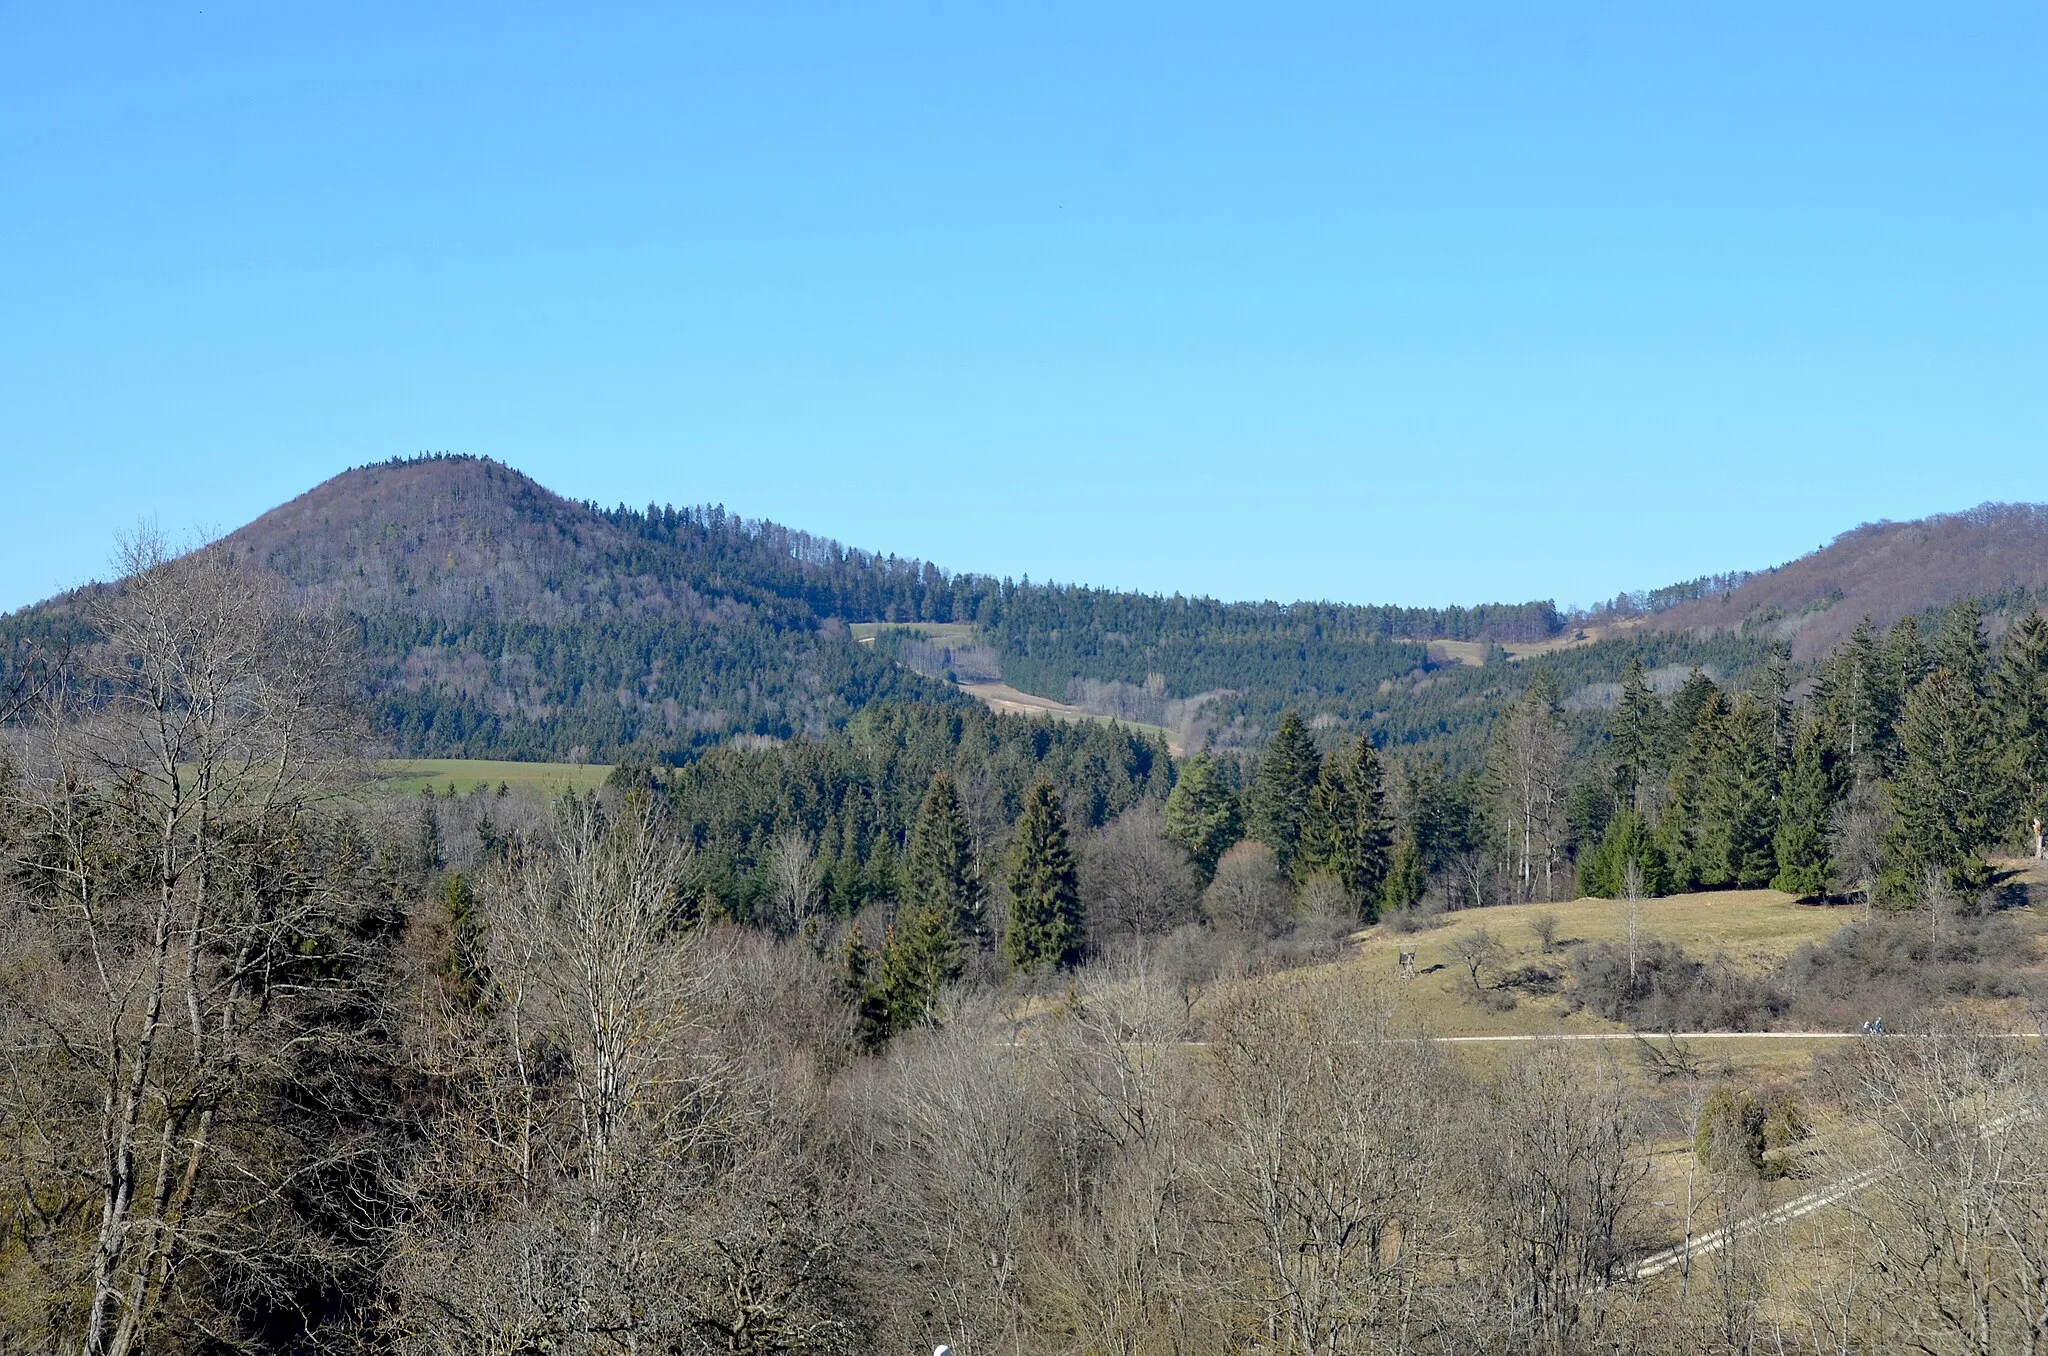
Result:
[410,776]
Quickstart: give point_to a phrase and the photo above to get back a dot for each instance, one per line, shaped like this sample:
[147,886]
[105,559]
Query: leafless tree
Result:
[1526,779]
[1951,1213]
[1324,1161]
[1479,951]
[1563,1195]
[174,936]
[1122,1279]
[958,1121]
[793,868]
[1135,881]
[1856,831]
[1247,898]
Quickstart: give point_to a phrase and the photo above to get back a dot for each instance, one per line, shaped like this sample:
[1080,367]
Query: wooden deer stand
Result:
[1407,963]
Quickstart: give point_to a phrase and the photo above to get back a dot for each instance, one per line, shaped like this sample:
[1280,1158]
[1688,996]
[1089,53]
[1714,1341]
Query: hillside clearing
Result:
[410,776]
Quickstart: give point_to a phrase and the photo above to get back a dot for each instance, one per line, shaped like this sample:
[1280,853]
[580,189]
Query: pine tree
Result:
[1738,800]
[1683,818]
[1346,832]
[1854,696]
[1945,796]
[1327,826]
[2021,694]
[1280,792]
[1815,782]
[1407,876]
[858,986]
[920,956]
[939,875]
[1634,735]
[1046,926]
[1902,667]
[1626,842]
[1202,814]
[1959,645]
[1693,696]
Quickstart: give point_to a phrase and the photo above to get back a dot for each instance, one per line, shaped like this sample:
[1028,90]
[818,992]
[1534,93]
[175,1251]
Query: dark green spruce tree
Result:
[1202,814]
[939,916]
[859,985]
[1815,780]
[2020,691]
[1627,842]
[1945,795]
[939,874]
[1286,778]
[1857,702]
[1046,925]
[1346,833]
[1684,835]
[1634,737]
[1902,667]
[1738,802]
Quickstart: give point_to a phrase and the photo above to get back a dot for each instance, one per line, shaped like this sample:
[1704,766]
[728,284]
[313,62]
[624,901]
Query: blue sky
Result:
[1416,303]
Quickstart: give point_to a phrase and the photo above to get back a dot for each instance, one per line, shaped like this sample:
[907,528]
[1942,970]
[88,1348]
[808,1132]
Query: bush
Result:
[1749,1131]
[1670,991]
[1892,967]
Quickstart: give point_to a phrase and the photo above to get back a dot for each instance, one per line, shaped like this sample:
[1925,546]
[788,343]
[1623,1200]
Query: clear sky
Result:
[1418,303]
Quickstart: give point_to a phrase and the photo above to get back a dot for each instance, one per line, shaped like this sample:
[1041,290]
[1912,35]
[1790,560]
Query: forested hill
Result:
[501,620]
[1996,554]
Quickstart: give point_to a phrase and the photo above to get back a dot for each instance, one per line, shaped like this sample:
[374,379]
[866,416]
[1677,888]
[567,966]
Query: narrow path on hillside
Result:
[1798,1207]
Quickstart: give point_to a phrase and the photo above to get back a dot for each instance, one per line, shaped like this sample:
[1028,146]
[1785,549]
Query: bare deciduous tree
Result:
[1135,881]
[180,933]
[1248,897]
[794,869]
[1526,779]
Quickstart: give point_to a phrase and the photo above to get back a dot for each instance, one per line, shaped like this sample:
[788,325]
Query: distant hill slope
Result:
[1995,552]
[500,620]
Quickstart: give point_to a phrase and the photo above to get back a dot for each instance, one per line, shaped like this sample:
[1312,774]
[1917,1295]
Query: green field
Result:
[410,776]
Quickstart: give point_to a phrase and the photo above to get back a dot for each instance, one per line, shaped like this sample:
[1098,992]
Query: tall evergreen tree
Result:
[920,956]
[1692,696]
[1202,814]
[1903,667]
[1046,924]
[1680,823]
[1328,825]
[939,876]
[1959,645]
[1945,796]
[1407,876]
[1738,801]
[1347,832]
[1857,700]
[1814,783]
[858,985]
[1634,736]
[2021,695]
[1281,789]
